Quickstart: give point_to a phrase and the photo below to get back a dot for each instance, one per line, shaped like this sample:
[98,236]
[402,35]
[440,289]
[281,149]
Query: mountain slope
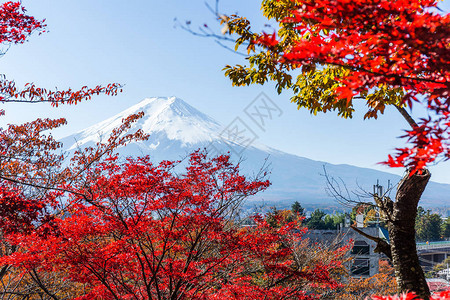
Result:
[176,129]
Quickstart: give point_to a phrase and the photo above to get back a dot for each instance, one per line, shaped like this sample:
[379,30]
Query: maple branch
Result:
[334,189]
[209,33]
[33,94]
[142,265]
[406,116]
[6,268]
[34,275]
[382,245]
[3,271]
[41,186]
[395,76]
[99,276]
[10,100]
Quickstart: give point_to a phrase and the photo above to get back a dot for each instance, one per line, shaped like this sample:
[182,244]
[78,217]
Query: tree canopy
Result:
[333,53]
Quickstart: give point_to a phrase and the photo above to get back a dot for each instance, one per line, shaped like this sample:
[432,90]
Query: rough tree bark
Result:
[402,234]
[400,216]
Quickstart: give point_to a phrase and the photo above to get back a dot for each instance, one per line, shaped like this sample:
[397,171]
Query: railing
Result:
[433,245]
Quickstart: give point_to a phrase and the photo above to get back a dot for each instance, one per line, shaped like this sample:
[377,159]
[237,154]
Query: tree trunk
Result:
[402,216]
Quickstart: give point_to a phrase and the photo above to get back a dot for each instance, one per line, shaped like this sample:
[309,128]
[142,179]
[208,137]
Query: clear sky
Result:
[135,43]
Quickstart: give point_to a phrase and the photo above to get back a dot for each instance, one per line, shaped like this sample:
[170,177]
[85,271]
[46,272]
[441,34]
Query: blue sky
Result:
[135,43]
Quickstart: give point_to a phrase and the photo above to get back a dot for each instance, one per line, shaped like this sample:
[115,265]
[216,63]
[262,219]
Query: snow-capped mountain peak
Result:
[164,118]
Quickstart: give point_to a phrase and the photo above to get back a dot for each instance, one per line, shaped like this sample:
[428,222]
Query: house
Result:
[365,260]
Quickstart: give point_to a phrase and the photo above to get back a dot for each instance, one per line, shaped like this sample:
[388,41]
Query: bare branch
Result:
[382,245]
[339,191]
[206,32]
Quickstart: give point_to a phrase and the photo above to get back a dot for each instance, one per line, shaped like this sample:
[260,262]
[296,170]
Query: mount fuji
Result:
[176,129]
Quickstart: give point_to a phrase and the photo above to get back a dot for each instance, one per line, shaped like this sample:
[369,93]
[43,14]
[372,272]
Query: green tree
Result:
[338,218]
[428,227]
[332,221]
[420,213]
[320,220]
[446,228]
[298,209]
[328,222]
[316,221]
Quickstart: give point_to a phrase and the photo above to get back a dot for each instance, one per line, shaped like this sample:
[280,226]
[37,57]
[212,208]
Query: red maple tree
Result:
[133,230]
[30,167]
[379,51]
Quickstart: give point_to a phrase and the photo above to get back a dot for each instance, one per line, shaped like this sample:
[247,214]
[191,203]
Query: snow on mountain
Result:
[172,117]
[169,121]
[176,129]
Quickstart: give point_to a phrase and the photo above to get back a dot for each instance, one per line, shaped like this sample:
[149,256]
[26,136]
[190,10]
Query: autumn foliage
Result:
[15,27]
[133,230]
[384,52]
[94,226]
[382,283]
